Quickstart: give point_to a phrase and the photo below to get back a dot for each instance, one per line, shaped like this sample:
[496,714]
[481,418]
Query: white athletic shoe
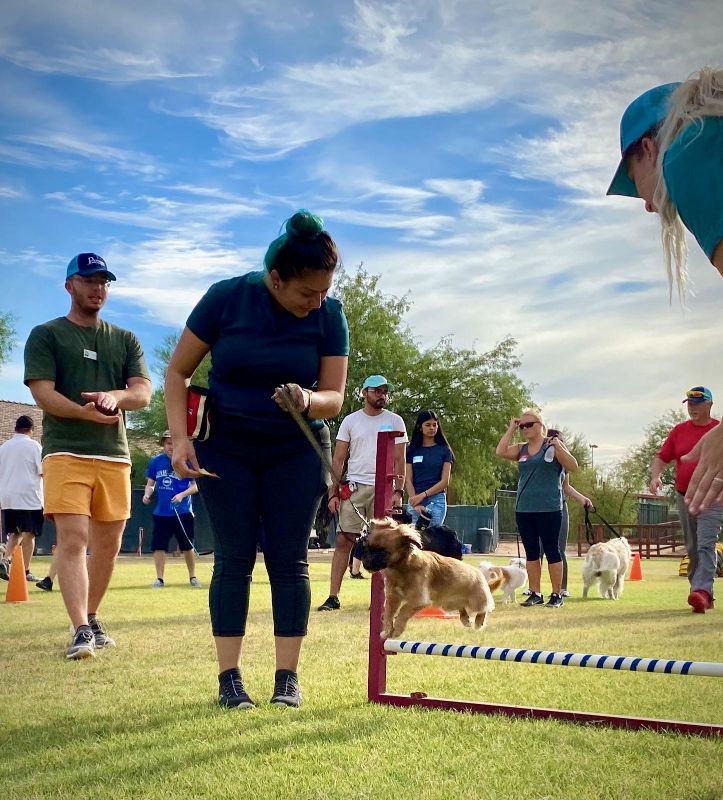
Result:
[195,583]
[158,583]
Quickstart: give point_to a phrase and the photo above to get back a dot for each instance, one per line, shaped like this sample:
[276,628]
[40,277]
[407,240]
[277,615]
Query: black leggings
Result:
[279,481]
[537,527]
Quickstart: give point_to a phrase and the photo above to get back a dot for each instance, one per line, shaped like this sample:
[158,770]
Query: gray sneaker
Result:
[101,637]
[286,691]
[83,644]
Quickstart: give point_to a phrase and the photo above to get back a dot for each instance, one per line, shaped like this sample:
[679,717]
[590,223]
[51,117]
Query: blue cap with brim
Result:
[375,381]
[88,264]
[644,113]
[698,394]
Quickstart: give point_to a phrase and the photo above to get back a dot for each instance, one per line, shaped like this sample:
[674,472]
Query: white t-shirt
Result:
[360,430]
[21,485]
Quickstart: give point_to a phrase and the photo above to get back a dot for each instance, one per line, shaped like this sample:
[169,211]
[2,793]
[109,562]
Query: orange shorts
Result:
[92,487]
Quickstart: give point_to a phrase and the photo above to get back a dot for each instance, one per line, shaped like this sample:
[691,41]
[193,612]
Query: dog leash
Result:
[178,517]
[290,405]
[589,535]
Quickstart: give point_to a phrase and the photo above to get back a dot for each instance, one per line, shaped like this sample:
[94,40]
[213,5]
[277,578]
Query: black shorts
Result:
[166,527]
[18,520]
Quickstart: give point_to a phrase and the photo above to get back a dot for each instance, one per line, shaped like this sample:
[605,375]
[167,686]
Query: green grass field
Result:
[141,721]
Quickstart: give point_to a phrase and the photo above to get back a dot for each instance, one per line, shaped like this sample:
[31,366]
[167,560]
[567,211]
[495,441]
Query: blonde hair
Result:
[699,97]
[537,414]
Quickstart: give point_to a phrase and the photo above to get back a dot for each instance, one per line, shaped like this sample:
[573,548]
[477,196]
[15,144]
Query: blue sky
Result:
[460,150]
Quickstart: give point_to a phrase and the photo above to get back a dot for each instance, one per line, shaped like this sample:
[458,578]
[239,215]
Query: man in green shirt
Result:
[84,373]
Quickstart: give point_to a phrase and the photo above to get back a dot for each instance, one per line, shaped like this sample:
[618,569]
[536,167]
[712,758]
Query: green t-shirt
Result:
[83,359]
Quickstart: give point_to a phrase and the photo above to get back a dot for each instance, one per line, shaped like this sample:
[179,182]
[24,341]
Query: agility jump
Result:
[379,650]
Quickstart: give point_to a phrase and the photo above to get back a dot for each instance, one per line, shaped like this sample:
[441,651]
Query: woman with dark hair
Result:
[264,330]
[430,459]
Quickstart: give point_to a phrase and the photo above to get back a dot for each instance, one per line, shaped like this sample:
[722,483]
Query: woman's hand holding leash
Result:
[185,464]
[300,397]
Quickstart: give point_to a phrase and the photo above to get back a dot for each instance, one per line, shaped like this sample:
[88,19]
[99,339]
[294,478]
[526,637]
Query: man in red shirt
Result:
[701,530]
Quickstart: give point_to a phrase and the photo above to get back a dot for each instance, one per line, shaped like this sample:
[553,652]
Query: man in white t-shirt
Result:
[21,494]
[357,442]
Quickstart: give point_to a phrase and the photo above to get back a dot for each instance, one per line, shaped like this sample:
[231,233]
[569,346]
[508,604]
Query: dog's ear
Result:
[411,536]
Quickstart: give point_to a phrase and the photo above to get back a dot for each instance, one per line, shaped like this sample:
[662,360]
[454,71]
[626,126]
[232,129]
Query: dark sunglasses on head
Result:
[523,425]
[695,394]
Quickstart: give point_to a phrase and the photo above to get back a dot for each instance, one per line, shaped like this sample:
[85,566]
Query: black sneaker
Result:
[101,637]
[356,575]
[330,604]
[83,644]
[286,690]
[4,570]
[555,601]
[534,600]
[46,584]
[231,692]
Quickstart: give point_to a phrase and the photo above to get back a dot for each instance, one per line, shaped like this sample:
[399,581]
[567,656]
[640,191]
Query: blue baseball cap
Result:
[375,381]
[88,264]
[644,113]
[698,394]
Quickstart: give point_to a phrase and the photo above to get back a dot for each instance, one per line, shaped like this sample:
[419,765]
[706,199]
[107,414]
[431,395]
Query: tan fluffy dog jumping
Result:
[415,579]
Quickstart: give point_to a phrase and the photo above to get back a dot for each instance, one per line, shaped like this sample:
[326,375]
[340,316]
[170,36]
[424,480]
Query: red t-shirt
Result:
[681,440]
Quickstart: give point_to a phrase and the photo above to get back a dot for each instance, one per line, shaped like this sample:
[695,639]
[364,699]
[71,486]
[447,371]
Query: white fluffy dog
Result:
[514,576]
[608,563]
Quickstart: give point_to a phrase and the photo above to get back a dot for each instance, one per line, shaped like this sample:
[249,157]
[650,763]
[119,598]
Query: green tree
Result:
[634,470]
[7,336]
[150,422]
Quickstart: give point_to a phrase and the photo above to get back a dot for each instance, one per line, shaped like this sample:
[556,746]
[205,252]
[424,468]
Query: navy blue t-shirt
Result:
[168,485]
[257,346]
[427,463]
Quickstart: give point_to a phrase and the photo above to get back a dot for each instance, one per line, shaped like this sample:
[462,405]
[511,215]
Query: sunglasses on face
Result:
[524,425]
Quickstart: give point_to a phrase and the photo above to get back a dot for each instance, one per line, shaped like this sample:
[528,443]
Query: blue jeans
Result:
[701,534]
[435,506]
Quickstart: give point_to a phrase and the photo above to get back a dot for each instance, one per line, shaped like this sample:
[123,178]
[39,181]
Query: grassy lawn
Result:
[142,722]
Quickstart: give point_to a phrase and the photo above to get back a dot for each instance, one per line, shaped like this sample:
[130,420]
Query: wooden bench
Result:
[662,539]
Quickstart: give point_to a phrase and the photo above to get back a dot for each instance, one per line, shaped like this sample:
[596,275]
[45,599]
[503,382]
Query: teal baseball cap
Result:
[375,381]
[644,113]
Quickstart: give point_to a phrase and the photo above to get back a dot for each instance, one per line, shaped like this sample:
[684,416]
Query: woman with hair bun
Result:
[264,330]
[430,460]
[543,460]
[671,140]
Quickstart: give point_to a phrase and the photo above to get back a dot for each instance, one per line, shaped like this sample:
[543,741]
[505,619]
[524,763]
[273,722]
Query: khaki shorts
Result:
[363,499]
[92,487]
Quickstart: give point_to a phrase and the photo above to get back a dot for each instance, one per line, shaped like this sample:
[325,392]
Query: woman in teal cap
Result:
[671,139]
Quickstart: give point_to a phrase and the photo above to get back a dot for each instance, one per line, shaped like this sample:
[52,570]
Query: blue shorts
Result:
[166,527]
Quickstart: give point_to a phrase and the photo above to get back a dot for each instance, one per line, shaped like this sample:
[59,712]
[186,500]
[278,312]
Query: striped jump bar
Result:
[711,669]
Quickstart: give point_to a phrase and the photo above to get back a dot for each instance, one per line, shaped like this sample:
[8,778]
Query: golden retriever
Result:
[415,579]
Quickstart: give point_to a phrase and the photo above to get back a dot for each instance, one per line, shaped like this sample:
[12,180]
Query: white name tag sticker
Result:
[91,354]
[417,459]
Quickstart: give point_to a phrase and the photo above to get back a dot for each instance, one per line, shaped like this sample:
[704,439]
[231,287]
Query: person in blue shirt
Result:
[173,514]
[430,460]
[671,141]
[263,330]
[543,462]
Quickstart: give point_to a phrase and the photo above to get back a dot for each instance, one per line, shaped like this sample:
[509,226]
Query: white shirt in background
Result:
[21,484]
[360,430]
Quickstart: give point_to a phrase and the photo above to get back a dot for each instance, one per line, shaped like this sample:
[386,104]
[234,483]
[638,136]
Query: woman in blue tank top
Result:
[542,460]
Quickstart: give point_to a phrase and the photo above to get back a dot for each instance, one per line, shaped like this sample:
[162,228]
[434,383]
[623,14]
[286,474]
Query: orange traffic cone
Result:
[636,573]
[17,585]
[436,613]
